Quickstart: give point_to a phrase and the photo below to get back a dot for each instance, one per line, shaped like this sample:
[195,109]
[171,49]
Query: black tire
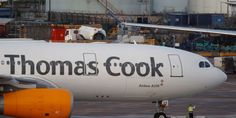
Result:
[99,36]
[156,115]
[160,115]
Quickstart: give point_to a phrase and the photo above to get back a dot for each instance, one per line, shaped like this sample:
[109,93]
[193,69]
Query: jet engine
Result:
[37,103]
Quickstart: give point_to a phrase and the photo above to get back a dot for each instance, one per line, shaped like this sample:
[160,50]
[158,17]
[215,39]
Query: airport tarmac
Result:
[217,103]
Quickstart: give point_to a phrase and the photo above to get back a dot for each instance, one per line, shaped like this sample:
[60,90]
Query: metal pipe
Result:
[49,10]
[228,8]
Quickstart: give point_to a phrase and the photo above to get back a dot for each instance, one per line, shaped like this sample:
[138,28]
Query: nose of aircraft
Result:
[222,77]
[217,78]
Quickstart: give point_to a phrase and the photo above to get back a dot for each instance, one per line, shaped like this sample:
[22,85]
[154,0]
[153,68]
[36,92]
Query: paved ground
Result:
[217,103]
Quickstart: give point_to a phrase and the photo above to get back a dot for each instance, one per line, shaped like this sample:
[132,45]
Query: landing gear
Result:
[161,105]
[160,115]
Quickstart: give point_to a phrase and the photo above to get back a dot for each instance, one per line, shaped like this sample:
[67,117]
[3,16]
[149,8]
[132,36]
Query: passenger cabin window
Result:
[204,64]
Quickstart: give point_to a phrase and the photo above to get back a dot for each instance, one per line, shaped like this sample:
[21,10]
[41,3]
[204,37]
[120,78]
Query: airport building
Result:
[129,7]
[129,10]
[138,7]
[52,18]
[181,12]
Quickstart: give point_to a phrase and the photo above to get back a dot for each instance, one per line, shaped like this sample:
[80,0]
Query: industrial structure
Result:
[208,6]
[99,6]
[138,7]
[49,19]
[62,11]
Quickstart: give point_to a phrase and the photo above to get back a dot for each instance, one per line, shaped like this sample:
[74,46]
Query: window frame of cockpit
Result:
[204,64]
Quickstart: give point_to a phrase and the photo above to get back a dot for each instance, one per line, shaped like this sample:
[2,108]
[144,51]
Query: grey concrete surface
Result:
[217,103]
[150,116]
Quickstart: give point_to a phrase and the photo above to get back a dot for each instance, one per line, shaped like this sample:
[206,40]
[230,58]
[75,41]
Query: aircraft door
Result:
[175,65]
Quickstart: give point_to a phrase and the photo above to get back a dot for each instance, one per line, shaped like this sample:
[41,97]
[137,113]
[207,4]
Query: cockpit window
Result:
[207,65]
[204,64]
[201,64]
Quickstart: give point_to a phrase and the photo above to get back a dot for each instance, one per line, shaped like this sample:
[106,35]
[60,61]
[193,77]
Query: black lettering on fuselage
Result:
[114,66]
[12,62]
[44,67]
[79,69]
[62,65]
[146,69]
[108,66]
[93,66]
[128,65]
[28,62]
[142,69]
[40,69]
[156,67]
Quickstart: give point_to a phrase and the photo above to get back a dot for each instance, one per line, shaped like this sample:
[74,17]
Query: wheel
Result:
[156,115]
[160,115]
[99,36]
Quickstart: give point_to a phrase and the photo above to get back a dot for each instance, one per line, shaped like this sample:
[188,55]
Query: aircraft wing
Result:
[188,29]
[24,82]
[5,78]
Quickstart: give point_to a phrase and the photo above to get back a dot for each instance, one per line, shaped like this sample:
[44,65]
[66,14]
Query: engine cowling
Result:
[37,103]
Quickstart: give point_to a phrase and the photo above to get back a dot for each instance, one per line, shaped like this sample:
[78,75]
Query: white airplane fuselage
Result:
[111,71]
